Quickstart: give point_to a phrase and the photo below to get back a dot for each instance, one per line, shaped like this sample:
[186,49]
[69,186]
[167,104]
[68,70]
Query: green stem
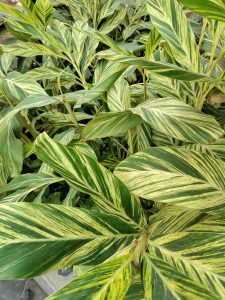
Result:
[28,125]
[120,145]
[129,140]
[145,85]
[68,107]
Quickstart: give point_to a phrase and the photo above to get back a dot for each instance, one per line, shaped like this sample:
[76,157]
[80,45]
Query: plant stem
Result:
[28,125]
[120,145]
[129,140]
[140,248]
[68,108]
[144,85]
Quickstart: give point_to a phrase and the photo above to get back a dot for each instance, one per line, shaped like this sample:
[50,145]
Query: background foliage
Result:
[112,148]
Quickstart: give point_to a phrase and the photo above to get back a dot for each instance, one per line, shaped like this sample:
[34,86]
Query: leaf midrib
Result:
[92,237]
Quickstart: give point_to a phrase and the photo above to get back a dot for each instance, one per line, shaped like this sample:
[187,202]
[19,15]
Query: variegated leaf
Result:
[164,69]
[109,280]
[171,22]
[141,137]
[43,73]
[108,77]
[88,176]
[212,9]
[11,149]
[84,45]
[188,264]
[179,120]
[25,184]
[43,10]
[216,148]
[176,176]
[173,218]
[110,124]
[37,238]
[119,95]
[113,21]
[7,10]
[17,87]
[29,49]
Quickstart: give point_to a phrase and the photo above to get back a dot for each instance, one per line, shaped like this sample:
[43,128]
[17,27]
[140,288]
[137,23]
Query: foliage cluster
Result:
[112,148]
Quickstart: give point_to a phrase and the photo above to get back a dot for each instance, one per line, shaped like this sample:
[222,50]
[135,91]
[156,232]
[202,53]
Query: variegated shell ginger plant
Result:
[112,148]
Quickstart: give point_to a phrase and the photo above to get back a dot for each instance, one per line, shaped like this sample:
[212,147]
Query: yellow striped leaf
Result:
[43,10]
[88,176]
[110,124]
[172,218]
[188,264]
[171,22]
[11,149]
[25,184]
[212,9]
[164,69]
[37,238]
[141,137]
[179,120]
[107,78]
[109,280]
[216,148]
[119,95]
[14,13]
[17,87]
[29,49]
[176,176]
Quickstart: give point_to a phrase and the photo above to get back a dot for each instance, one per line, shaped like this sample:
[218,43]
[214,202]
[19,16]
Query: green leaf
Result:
[110,124]
[37,238]
[164,69]
[25,184]
[110,280]
[212,9]
[179,120]
[176,176]
[88,176]
[170,20]
[43,10]
[188,264]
